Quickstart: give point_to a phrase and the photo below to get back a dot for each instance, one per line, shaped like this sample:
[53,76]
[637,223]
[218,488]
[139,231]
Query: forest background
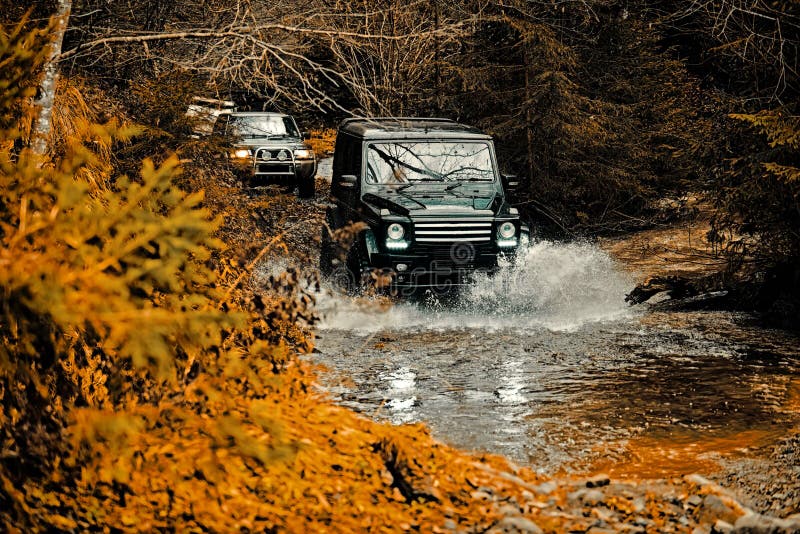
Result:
[618,116]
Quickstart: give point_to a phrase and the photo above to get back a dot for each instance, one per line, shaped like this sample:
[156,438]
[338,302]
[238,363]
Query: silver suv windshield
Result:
[262,126]
[408,162]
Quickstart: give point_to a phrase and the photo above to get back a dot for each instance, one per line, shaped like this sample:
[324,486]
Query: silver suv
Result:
[269,148]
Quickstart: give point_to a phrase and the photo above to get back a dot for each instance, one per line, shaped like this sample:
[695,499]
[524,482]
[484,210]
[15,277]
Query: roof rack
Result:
[398,119]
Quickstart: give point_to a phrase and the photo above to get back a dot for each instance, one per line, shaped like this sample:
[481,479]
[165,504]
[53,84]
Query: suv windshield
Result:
[262,126]
[404,162]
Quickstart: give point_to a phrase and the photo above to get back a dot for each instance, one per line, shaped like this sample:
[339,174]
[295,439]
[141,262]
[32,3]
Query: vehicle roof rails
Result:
[398,119]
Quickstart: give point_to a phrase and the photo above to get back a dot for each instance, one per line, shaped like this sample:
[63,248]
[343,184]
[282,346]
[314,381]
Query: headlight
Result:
[395,231]
[304,153]
[507,230]
[241,153]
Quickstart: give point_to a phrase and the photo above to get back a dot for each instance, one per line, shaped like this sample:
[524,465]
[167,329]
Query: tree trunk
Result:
[47,89]
[529,114]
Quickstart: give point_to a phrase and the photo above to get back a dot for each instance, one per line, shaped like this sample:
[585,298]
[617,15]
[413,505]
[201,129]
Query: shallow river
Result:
[548,365]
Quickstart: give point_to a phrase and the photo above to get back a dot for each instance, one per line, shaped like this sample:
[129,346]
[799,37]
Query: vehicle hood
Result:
[284,142]
[466,201]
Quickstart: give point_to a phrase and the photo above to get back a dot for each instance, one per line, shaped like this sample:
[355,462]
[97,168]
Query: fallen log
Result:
[676,286]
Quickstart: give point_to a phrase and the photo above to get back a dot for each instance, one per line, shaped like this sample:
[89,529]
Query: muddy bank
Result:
[765,471]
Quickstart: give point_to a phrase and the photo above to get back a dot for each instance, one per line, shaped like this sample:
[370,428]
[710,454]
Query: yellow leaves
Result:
[781,126]
[195,412]
[782,129]
[784,173]
[322,141]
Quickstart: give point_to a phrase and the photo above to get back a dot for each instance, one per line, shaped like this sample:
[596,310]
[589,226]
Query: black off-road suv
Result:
[429,191]
[268,148]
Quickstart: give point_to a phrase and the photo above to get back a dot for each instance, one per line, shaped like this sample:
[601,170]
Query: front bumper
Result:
[301,169]
[431,270]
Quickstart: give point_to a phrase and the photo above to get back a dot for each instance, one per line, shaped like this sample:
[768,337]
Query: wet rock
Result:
[509,510]
[545,488]
[604,514]
[698,480]
[694,501]
[449,524]
[761,524]
[481,496]
[517,480]
[598,481]
[714,508]
[515,525]
[721,527]
[639,504]
[591,497]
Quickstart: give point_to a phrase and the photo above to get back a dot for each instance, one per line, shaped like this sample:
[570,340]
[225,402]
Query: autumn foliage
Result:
[143,387]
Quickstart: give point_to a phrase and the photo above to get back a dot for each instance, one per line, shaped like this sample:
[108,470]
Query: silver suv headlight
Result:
[303,153]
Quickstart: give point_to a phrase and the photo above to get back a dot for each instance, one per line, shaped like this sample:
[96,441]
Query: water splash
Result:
[555,286]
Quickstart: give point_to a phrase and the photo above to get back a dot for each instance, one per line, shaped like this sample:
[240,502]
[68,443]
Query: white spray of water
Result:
[555,286]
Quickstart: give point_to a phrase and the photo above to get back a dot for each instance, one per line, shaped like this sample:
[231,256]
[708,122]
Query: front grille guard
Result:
[291,161]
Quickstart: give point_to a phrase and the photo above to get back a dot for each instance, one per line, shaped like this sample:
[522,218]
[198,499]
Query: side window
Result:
[350,155]
[340,162]
[339,156]
[347,156]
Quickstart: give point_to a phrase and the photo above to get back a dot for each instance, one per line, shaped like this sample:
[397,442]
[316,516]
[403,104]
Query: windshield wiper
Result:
[389,159]
[405,186]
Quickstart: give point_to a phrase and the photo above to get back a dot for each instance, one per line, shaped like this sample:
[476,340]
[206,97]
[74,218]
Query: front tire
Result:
[327,252]
[306,187]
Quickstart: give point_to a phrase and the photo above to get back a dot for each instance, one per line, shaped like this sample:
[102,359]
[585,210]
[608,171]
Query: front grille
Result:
[444,231]
[275,168]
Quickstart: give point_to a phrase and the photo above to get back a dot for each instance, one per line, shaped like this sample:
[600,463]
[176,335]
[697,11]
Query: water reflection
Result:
[555,399]
[550,368]
[400,386]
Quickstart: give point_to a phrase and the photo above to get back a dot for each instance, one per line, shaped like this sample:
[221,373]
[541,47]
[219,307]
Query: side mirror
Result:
[305,135]
[349,180]
[511,182]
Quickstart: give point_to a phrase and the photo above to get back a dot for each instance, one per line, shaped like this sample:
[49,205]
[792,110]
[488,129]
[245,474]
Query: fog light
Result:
[402,267]
[506,243]
[396,245]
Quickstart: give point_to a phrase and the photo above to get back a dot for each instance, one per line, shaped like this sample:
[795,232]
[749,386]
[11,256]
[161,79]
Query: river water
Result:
[546,364]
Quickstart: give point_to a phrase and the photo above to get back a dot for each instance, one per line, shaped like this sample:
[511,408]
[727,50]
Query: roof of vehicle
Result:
[255,113]
[409,127]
